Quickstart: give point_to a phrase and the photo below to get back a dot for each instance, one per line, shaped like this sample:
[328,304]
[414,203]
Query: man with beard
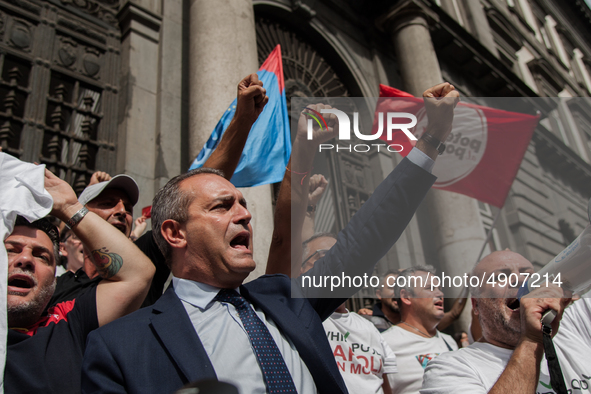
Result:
[416,340]
[510,355]
[44,352]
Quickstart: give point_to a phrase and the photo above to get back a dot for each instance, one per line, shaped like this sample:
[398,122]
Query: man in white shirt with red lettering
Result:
[362,355]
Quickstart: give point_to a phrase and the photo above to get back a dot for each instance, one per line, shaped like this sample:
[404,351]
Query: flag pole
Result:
[488,236]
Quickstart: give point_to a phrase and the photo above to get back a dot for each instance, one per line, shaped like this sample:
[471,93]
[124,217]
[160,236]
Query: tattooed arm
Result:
[107,263]
[126,271]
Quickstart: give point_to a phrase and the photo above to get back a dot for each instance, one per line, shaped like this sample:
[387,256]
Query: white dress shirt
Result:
[227,343]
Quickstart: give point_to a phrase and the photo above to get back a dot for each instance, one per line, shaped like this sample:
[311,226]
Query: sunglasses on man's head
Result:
[319,252]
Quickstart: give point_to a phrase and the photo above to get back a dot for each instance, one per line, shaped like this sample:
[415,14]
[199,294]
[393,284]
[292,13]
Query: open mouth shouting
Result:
[439,304]
[241,241]
[512,303]
[20,284]
[120,226]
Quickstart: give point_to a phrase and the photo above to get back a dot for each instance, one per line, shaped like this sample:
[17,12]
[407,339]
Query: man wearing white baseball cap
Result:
[113,201]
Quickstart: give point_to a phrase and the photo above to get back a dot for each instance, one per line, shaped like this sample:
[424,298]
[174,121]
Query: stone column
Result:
[479,25]
[140,39]
[223,50]
[453,219]
[171,81]
[408,26]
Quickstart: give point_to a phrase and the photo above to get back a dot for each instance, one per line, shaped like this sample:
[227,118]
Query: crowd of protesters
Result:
[152,311]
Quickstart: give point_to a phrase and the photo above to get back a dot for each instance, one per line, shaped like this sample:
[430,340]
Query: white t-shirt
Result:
[361,353]
[476,369]
[413,352]
[21,193]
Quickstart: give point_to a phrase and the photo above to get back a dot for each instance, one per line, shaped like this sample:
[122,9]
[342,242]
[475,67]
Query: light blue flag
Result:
[267,150]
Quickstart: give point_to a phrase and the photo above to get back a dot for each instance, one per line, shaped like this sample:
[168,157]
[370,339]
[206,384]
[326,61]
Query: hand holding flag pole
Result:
[500,141]
[251,142]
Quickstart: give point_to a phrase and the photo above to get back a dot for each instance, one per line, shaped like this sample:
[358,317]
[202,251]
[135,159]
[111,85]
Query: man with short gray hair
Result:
[416,340]
[173,204]
[113,199]
[256,335]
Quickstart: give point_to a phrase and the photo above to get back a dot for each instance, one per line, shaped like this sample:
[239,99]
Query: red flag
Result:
[483,152]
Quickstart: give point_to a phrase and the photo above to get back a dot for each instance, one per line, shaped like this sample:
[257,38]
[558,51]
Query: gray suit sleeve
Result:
[371,232]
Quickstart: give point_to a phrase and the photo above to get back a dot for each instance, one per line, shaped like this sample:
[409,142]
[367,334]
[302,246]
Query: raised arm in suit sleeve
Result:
[378,224]
[371,232]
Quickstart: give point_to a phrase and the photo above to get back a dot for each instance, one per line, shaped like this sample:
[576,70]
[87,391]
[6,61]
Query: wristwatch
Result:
[434,142]
[74,220]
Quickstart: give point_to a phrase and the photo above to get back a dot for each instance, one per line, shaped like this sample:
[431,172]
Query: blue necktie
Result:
[275,372]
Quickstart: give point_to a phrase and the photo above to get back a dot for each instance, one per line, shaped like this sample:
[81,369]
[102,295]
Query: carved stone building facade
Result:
[59,86]
[137,87]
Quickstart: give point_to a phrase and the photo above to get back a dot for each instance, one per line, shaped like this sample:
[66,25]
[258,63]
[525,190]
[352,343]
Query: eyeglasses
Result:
[320,252]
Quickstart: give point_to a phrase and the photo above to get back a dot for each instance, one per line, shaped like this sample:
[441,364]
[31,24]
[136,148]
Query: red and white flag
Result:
[483,152]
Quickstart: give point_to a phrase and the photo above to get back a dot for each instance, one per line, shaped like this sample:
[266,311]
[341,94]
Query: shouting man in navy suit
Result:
[209,325]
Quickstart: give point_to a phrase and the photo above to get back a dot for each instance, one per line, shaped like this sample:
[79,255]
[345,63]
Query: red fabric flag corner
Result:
[483,152]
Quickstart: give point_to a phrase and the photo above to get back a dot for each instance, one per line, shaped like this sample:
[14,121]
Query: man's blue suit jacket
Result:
[156,349]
